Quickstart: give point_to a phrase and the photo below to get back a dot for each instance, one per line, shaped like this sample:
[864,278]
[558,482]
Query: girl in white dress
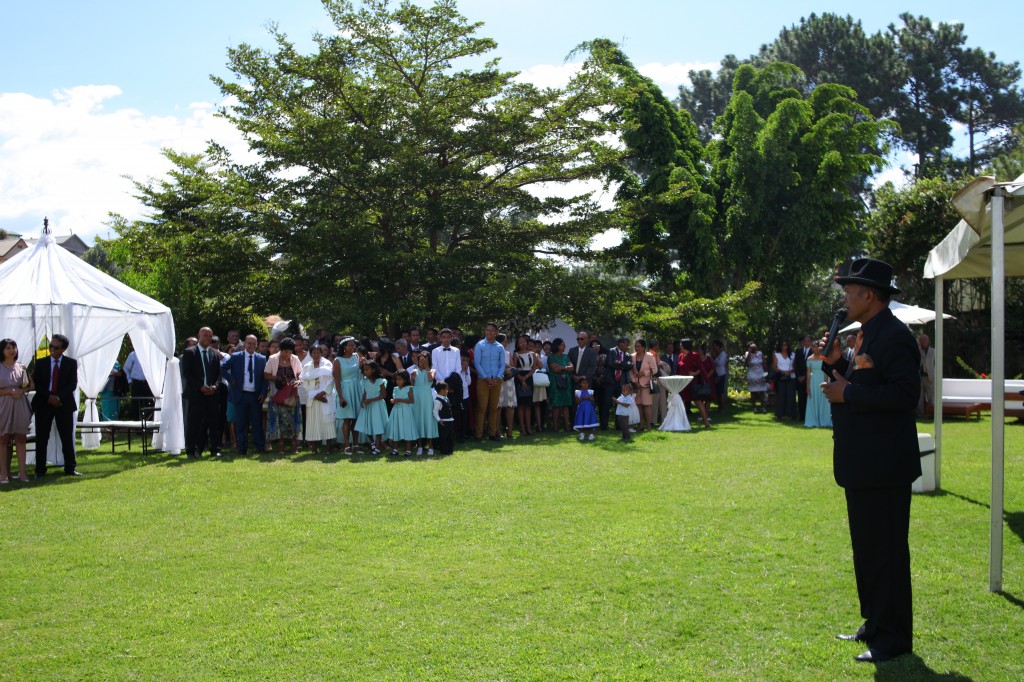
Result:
[319,384]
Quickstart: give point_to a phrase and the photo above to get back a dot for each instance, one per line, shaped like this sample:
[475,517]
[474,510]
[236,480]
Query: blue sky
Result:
[89,92]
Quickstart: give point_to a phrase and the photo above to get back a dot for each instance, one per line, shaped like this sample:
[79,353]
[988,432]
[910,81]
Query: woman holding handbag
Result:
[527,363]
[284,370]
[645,368]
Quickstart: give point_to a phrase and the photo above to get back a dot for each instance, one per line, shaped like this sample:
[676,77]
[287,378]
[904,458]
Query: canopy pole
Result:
[995,569]
[937,387]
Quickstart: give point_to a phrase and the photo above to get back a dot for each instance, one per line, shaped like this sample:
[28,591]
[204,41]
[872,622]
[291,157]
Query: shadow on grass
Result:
[950,493]
[1015,520]
[912,667]
[1012,599]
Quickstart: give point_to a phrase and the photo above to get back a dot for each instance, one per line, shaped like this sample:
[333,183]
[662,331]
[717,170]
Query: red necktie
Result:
[56,377]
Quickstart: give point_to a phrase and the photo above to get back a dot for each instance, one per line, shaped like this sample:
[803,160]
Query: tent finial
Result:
[46,225]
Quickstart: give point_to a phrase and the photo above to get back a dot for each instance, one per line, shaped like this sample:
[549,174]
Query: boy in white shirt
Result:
[623,403]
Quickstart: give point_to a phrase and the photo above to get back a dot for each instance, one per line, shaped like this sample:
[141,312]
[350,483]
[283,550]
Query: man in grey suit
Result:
[583,367]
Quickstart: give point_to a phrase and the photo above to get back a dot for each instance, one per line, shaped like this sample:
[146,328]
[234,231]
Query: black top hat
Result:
[869,272]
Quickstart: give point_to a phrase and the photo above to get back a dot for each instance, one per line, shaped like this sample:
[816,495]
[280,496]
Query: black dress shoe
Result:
[73,472]
[850,638]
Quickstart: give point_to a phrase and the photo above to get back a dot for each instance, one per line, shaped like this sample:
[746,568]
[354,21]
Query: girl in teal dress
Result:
[373,415]
[422,387]
[402,422]
[819,412]
[347,380]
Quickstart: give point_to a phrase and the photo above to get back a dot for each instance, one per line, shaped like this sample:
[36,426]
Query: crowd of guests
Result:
[414,394]
[417,394]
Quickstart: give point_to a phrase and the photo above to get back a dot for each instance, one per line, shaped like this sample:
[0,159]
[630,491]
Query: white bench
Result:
[971,396]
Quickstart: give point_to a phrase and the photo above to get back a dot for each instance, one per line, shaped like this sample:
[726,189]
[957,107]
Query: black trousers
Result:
[605,396]
[461,424]
[65,419]
[801,398]
[203,420]
[142,400]
[445,438]
[879,530]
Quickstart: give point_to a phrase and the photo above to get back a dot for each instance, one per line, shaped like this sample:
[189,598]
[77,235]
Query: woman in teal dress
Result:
[560,390]
[819,412]
[348,387]
[402,421]
[109,407]
[373,415]
[422,388]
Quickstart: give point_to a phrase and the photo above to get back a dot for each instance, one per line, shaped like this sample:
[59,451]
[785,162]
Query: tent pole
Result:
[937,388]
[995,570]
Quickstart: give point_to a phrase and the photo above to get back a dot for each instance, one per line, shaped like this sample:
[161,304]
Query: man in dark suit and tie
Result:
[200,370]
[247,387]
[800,370]
[583,359]
[56,401]
[875,455]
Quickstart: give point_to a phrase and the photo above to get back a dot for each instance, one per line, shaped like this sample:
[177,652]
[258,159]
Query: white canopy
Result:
[47,290]
[907,314]
[988,242]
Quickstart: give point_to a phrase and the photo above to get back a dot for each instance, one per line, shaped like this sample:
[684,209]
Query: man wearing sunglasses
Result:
[56,401]
[875,455]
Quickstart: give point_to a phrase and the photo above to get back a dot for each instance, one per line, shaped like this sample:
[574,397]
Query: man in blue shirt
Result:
[490,359]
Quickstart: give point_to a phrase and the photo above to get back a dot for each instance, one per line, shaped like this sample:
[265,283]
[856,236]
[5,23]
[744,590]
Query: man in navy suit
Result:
[246,389]
[56,400]
[875,455]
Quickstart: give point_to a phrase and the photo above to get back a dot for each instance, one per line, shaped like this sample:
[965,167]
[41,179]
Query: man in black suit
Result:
[875,455]
[56,401]
[200,371]
[800,370]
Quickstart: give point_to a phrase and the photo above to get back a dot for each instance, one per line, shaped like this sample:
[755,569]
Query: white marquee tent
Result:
[47,290]
[988,242]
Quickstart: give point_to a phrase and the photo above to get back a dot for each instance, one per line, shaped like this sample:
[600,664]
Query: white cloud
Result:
[66,156]
[670,76]
[550,75]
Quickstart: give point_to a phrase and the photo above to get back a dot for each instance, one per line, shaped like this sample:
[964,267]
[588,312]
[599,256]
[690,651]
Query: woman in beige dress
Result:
[645,367]
[15,415]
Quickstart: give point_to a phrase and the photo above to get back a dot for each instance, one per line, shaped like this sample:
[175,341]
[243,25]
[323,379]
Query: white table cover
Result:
[675,419]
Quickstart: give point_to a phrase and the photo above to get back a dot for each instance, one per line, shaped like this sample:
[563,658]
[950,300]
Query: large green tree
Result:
[835,49]
[768,201]
[195,251]
[988,103]
[415,181]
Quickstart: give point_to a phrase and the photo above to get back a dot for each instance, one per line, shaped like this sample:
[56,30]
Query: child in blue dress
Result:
[423,388]
[402,422]
[586,415]
[372,421]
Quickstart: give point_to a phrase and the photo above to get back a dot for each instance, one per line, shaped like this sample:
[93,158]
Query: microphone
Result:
[837,321]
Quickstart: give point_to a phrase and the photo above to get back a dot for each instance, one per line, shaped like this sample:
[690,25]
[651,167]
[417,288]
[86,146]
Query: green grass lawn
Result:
[708,555]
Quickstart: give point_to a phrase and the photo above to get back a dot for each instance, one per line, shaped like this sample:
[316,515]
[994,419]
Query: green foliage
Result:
[917,73]
[1009,165]
[195,253]
[835,49]
[905,224]
[988,103]
[784,166]
[403,177]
